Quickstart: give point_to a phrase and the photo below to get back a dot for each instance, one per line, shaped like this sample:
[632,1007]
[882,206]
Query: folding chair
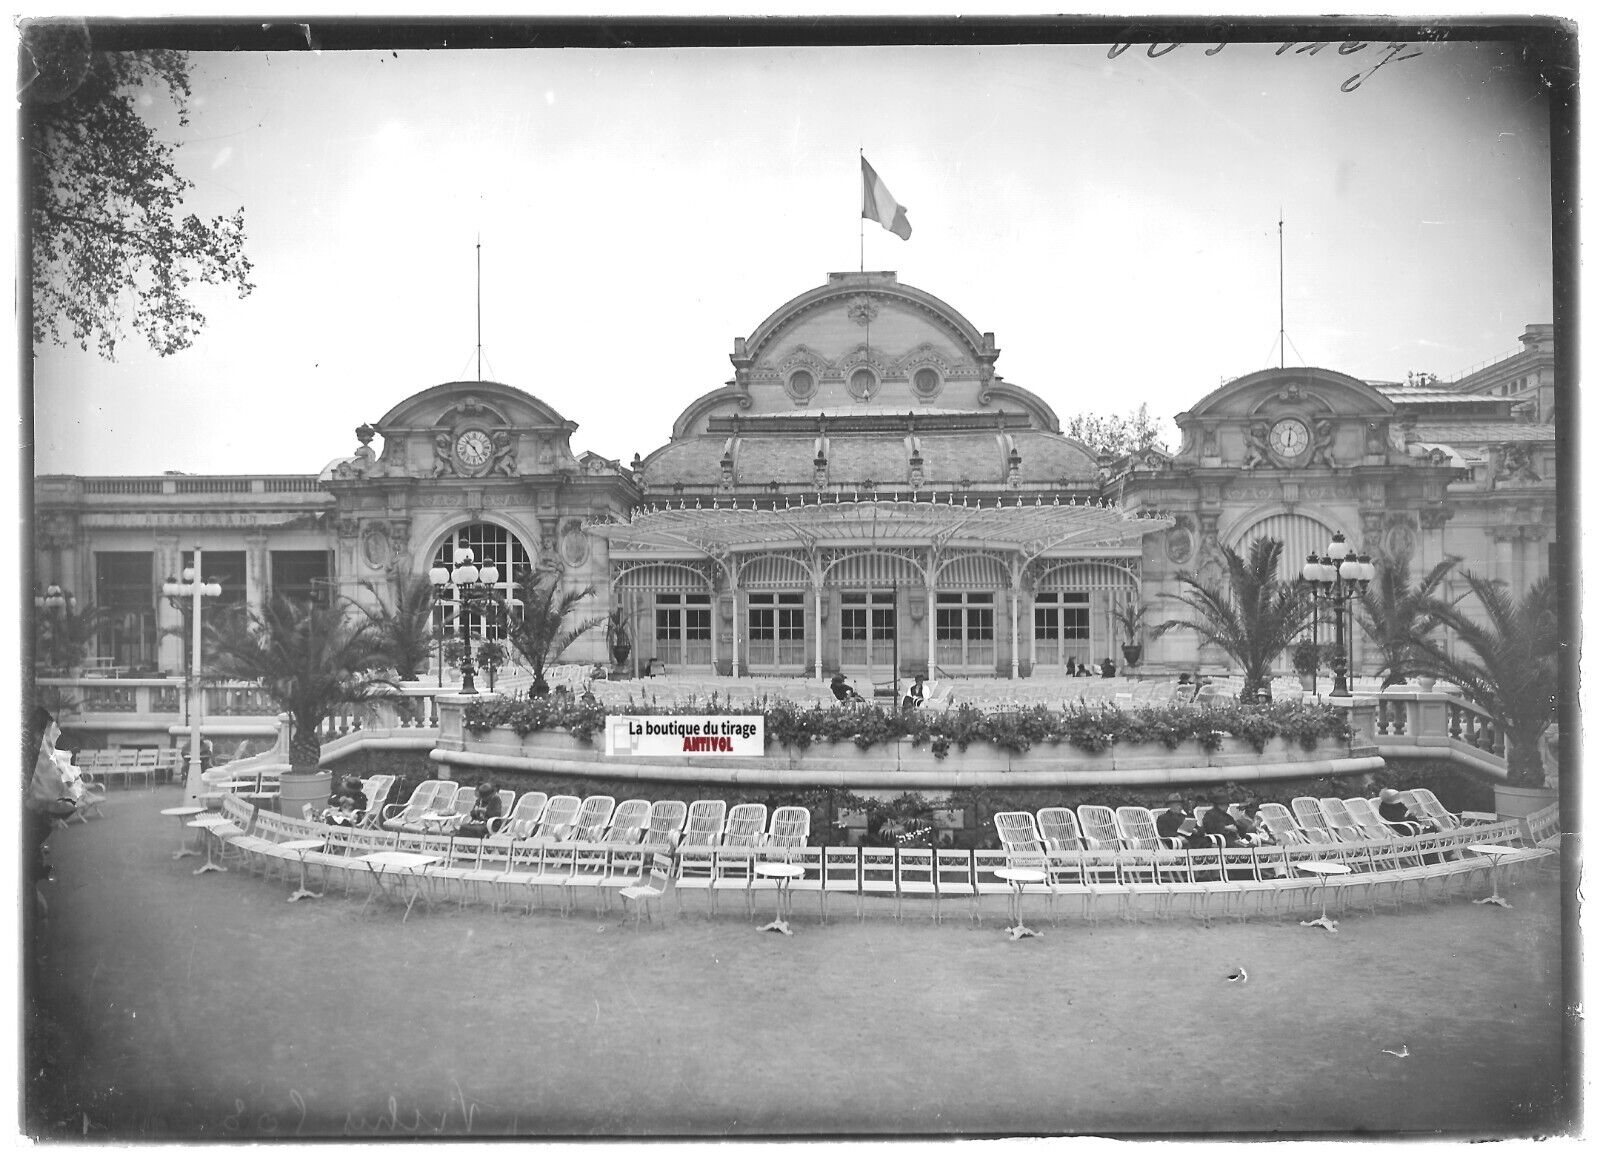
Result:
[653,887]
[914,876]
[697,871]
[877,875]
[591,865]
[953,878]
[735,872]
[841,875]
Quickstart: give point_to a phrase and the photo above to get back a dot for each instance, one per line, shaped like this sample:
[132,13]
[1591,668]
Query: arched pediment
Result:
[494,404]
[863,297]
[1314,389]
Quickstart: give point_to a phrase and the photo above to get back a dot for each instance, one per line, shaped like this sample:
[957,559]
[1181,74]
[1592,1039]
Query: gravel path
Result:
[174,1007]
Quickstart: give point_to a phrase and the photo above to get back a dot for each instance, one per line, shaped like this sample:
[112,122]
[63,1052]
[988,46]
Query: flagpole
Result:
[1280,289]
[861,218]
[479,248]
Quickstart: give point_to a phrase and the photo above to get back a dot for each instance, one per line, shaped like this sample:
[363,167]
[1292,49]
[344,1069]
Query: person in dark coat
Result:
[486,806]
[1393,810]
[841,689]
[1107,669]
[1218,821]
[1168,821]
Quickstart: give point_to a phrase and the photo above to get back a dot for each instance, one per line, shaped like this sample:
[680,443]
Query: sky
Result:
[1113,220]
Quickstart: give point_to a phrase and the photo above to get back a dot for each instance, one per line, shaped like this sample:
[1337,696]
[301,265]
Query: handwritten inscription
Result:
[1391,53]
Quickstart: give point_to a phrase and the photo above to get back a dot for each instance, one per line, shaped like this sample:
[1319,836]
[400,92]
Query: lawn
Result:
[171,1007]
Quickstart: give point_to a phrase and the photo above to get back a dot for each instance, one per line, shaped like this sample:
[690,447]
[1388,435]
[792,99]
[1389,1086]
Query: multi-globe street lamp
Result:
[1337,578]
[474,586]
[193,586]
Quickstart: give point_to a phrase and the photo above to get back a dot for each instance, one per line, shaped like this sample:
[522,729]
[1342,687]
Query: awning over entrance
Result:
[1033,530]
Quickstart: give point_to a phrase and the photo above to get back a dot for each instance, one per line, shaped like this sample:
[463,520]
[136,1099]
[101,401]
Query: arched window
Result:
[490,544]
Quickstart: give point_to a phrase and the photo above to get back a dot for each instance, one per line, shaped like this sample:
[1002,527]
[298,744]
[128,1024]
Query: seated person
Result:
[1250,830]
[1170,819]
[1083,671]
[347,804]
[1107,669]
[1217,820]
[1395,812]
[914,698]
[486,806]
[841,689]
[1190,835]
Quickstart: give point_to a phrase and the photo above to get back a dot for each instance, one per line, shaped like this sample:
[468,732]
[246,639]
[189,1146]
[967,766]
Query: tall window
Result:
[227,570]
[490,544]
[963,630]
[777,637]
[304,576]
[124,588]
[683,629]
[866,629]
[1061,630]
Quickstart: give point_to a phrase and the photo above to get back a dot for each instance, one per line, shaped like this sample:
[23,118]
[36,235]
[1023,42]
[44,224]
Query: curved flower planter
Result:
[903,764]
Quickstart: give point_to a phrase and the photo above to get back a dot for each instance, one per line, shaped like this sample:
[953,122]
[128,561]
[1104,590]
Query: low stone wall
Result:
[904,765]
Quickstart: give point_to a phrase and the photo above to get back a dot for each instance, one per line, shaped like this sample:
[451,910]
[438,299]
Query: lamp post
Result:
[472,585]
[53,605]
[1337,578]
[195,587]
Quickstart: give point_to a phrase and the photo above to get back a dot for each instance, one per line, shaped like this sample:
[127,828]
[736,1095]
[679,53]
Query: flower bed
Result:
[1089,729]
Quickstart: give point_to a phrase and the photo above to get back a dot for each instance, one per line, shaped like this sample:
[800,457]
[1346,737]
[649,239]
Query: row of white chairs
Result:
[147,763]
[503,871]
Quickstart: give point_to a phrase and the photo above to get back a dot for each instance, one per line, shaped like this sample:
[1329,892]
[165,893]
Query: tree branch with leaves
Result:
[542,633]
[110,241]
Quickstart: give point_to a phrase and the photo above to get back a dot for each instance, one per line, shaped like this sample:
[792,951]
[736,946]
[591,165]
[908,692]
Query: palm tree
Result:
[541,634]
[1252,617]
[1507,664]
[404,621]
[1395,614]
[309,659]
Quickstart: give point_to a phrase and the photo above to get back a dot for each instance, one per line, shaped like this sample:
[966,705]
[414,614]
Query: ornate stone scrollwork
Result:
[1255,445]
[1322,432]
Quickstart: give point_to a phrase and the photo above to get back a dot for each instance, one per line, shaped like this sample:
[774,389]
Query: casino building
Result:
[866,492]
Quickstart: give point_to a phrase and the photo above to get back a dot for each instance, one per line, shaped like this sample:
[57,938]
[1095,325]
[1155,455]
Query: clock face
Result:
[473,448]
[1289,437]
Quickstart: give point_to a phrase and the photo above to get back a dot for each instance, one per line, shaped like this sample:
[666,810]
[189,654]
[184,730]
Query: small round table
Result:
[206,824]
[784,873]
[1017,876]
[183,814]
[1495,854]
[1322,871]
[303,847]
[405,865]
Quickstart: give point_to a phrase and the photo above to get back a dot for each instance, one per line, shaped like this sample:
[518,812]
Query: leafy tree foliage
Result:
[1253,616]
[1117,434]
[403,621]
[542,633]
[311,660]
[1507,664]
[110,240]
[1395,614]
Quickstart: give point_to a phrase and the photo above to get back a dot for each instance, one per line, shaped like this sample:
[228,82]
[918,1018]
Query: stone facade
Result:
[883,402]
